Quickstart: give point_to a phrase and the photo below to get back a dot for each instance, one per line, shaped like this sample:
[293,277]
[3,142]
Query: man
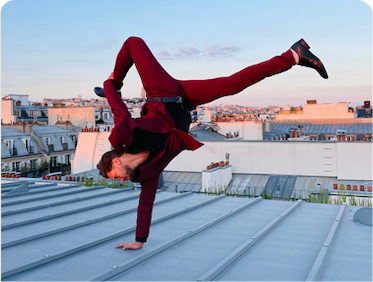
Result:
[143,147]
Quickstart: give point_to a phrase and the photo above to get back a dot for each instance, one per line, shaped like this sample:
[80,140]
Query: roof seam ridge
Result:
[129,264]
[243,248]
[51,258]
[319,263]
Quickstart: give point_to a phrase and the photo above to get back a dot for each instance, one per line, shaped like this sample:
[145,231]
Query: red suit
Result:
[158,83]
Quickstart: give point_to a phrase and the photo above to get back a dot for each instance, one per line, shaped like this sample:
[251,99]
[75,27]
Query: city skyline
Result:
[62,49]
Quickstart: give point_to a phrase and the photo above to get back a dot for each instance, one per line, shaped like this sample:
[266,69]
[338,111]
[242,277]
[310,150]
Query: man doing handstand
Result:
[143,147]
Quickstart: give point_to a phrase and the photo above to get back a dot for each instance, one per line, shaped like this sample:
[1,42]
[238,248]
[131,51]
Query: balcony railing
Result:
[63,168]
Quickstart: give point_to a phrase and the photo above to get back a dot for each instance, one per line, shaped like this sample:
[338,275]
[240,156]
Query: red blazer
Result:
[154,118]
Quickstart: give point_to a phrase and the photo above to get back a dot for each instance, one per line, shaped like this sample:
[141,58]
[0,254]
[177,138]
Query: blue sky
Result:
[63,48]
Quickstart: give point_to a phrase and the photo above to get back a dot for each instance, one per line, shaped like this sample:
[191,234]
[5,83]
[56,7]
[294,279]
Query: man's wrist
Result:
[141,239]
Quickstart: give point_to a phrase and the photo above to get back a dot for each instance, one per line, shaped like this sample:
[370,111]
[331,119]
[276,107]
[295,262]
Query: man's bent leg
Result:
[204,91]
[155,79]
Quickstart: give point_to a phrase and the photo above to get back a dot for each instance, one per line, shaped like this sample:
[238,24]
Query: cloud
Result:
[220,51]
[164,53]
[213,50]
[187,52]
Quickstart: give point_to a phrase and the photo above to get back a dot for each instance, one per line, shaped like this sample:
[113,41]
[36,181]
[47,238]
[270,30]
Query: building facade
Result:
[33,149]
[17,108]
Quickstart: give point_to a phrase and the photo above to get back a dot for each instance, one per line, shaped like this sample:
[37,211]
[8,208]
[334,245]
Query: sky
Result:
[64,48]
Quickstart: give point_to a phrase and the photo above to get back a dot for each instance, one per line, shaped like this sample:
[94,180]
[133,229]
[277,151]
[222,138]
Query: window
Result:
[67,159]
[33,164]
[26,141]
[53,161]
[9,143]
[18,166]
[47,140]
[61,139]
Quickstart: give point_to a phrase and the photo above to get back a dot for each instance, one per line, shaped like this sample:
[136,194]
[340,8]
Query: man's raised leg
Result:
[156,81]
[204,91]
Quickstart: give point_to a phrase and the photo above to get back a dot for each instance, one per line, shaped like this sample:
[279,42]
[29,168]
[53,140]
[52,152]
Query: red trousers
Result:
[158,83]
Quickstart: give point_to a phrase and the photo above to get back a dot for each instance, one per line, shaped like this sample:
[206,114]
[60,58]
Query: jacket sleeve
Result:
[120,109]
[122,134]
[145,208]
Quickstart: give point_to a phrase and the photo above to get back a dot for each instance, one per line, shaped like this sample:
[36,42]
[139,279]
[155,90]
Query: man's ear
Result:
[116,161]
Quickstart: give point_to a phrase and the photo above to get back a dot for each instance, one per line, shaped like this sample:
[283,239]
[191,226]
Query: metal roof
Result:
[64,232]
[50,129]
[206,135]
[325,128]
[278,186]
[11,132]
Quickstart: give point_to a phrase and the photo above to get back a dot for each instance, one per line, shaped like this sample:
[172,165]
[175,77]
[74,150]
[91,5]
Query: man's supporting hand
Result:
[130,245]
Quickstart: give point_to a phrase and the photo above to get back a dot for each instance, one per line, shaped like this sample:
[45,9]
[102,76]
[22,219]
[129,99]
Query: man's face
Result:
[121,171]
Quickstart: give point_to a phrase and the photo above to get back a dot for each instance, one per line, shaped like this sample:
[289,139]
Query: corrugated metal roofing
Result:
[67,232]
[310,128]
[278,186]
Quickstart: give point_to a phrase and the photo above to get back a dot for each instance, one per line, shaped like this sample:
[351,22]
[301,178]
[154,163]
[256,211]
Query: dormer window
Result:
[26,141]
[9,143]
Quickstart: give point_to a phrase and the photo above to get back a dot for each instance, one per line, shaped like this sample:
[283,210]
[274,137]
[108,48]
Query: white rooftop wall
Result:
[79,116]
[7,109]
[91,146]
[249,130]
[322,111]
[347,160]
[343,161]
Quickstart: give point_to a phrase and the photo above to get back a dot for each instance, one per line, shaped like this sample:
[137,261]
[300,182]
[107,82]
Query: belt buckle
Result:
[179,99]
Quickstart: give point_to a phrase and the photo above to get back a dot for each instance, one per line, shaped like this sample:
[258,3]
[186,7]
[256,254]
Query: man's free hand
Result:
[130,245]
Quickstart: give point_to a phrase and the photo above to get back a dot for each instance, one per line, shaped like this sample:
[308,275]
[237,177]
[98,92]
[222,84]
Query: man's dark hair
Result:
[105,164]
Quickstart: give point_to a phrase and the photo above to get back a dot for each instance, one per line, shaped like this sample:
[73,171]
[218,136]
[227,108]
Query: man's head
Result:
[113,165]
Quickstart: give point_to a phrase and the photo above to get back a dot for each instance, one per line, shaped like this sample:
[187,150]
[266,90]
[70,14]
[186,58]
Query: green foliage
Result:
[322,197]
[267,196]
[100,181]
[5,168]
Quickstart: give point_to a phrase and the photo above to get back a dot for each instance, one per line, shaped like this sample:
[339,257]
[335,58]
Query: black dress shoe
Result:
[307,59]
[100,92]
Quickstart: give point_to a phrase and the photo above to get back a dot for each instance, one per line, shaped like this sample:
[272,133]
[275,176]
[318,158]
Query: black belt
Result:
[178,99]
